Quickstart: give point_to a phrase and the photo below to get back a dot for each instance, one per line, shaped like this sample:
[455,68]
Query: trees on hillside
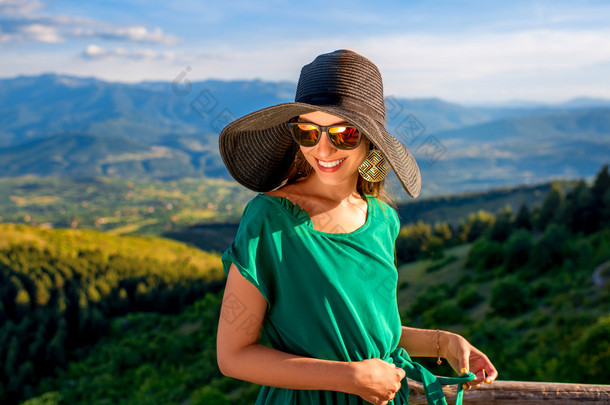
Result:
[52,303]
[582,209]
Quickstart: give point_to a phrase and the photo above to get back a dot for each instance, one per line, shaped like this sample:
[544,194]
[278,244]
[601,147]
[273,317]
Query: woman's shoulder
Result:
[272,206]
[289,196]
[291,191]
[258,207]
[257,214]
[385,210]
[385,206]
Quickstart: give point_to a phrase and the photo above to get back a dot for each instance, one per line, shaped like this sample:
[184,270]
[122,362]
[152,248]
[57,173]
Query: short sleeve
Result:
[391,216]
[252,248]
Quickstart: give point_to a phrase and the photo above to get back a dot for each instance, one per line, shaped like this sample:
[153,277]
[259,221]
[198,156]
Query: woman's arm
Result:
[240,356]
[459,353]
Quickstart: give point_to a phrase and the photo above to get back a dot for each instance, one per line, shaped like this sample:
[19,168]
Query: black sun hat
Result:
[258,148]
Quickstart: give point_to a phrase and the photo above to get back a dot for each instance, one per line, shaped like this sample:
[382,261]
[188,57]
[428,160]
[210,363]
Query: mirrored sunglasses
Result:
[344,137]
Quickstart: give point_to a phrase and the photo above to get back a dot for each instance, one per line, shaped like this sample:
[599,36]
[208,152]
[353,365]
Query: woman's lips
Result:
[330,165]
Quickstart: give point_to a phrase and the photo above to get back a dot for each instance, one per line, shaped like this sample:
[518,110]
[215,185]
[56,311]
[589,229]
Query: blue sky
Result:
[471,51]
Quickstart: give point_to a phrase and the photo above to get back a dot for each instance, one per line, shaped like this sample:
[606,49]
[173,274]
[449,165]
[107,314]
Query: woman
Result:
[313,262]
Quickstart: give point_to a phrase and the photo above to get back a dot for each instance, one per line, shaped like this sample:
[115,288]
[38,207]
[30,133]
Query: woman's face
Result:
[331,165]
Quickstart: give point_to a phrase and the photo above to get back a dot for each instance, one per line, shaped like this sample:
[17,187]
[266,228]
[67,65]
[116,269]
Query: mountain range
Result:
[69,126]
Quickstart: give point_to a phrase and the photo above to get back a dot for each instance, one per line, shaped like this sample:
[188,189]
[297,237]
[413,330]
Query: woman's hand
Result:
[465,357]
[377,381]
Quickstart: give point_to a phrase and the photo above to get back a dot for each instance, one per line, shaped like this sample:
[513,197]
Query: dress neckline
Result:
[300,214]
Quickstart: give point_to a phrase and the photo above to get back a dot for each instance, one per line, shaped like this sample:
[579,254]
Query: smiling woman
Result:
[313,263]
[340,152]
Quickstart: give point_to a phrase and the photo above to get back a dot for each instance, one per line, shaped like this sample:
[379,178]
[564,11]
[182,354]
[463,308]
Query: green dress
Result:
[329,295]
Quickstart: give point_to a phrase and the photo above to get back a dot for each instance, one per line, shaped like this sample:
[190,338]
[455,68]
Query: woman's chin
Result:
[336,178]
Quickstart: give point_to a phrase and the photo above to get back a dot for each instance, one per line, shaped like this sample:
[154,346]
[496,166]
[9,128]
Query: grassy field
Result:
[418,277]
[421,275]
[119,206]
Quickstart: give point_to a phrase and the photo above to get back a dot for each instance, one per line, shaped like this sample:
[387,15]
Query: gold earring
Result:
[375,167]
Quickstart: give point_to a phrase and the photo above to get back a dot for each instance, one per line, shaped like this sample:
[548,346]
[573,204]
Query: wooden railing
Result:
[521,393]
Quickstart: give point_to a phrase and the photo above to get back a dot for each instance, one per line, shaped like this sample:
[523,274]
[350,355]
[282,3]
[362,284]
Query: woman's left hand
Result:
[464,357]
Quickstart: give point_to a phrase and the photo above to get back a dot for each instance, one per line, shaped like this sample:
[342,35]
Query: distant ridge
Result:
[83,155]
[70,126]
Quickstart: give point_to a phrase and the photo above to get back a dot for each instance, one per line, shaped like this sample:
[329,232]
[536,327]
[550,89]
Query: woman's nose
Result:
[325,148]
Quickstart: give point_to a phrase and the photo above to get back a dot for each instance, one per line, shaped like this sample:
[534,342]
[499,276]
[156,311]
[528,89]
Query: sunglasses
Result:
[344,137]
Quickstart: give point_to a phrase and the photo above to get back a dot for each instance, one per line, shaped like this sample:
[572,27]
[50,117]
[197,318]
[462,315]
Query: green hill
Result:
[152,359]
[537,323]
[72,241]
[456,207]
[60,289]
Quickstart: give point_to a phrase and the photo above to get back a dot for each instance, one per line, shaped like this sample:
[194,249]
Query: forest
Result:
[93,318]
[58,298]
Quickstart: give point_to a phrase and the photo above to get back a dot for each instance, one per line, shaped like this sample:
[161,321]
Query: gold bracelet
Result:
[438,347]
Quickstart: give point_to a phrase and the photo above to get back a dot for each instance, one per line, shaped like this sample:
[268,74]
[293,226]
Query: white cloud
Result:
[19,7]
[542,65]
[476,55]
[95,52]
[41,33]
[531,64]
[30,30]
[23,21]
[139,34]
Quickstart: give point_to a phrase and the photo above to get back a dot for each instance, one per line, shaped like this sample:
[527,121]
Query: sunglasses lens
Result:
[304,134]
[344,137]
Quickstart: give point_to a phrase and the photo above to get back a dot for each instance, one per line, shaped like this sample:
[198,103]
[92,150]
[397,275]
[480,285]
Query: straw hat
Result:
[258,148]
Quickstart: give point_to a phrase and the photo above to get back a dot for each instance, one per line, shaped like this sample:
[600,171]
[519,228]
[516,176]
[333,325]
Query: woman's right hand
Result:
[377,381]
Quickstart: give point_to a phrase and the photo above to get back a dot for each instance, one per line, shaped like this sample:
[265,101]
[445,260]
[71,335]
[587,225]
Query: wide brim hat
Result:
[258,149]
